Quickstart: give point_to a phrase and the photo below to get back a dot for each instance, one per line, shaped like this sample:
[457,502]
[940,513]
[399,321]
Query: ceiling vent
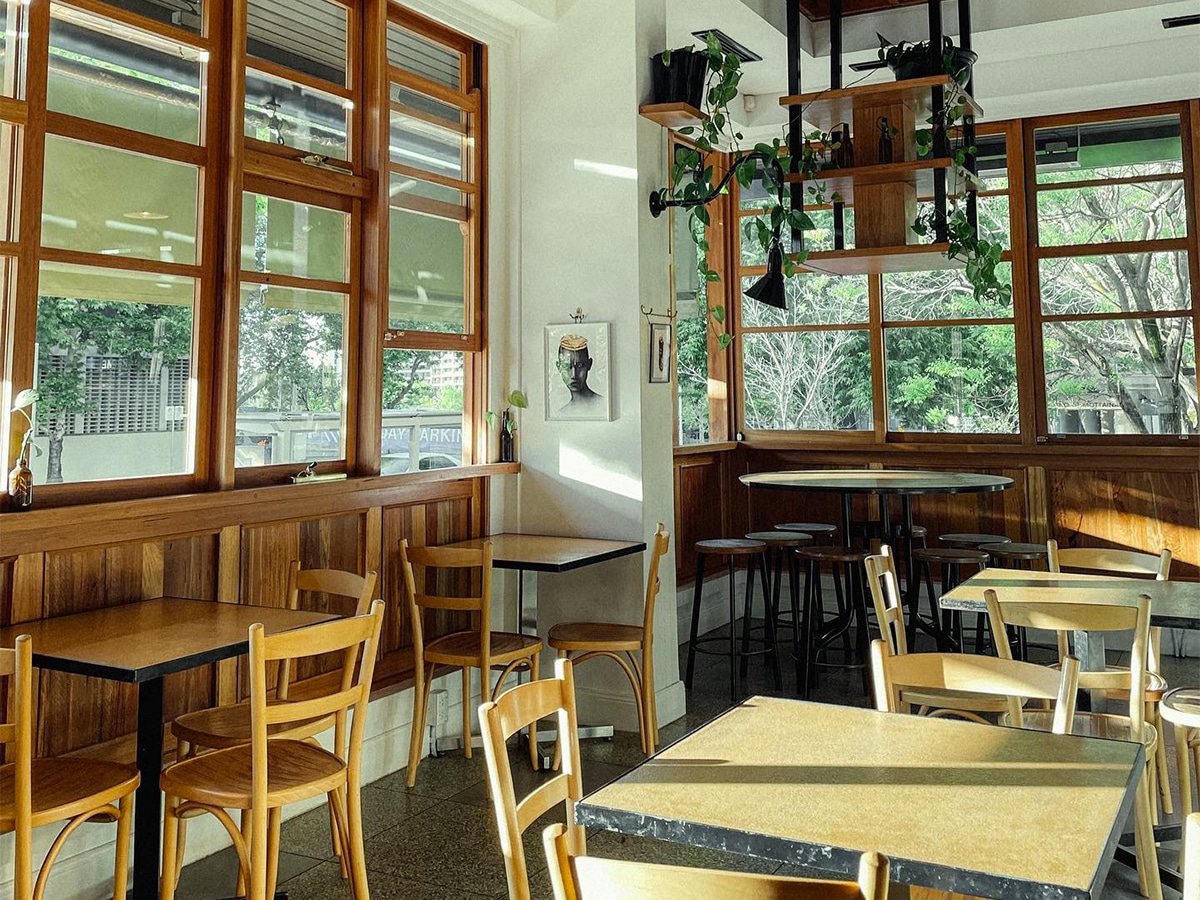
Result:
[1181,21]
[728,44]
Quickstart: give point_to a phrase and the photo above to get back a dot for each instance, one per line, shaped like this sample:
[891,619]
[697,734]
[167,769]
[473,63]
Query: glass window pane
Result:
[691,385]
[185,14]
[808,380]
[427,260]
[402,188]
[940,294]
[812,299]
[100,200]
[422,411]
[1108,150]
[113,374]
[1115,212]
[428,134]
[291,376]
[9,48]
[293,238]
[283,112]
[817,239]
[958,379]
[1121,377]
[423,57]
[308,36]
[10,143]
[102,71]
[1135,282]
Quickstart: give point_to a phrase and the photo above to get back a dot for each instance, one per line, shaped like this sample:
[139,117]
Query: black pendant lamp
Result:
[769,289]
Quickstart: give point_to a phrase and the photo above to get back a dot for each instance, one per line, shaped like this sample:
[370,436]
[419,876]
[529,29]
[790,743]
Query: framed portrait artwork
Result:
[578,380]
[660,352]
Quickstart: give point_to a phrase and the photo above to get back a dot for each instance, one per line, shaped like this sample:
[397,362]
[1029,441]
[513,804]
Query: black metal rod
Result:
[147,807]
[795,130]
[938,102]
[972,163]
[835,43]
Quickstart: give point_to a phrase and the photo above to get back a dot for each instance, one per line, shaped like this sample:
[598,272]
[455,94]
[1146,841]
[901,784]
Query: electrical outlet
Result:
[439,703]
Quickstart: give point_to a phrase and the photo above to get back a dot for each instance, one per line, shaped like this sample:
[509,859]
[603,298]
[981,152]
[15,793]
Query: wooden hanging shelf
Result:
[877,260]
[826,109]
[672,115]
[918,173]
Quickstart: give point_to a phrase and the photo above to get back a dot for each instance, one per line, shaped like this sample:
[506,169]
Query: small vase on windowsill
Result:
[507,443]
[20,484]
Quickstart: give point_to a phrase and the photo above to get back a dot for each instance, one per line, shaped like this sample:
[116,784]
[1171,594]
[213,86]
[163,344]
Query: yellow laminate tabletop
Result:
[976,809]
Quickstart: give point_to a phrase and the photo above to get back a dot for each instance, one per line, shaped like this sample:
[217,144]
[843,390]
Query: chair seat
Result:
[464,648]
[809,528]
[1098,725]
[1016,550]
[595,636]
[296,770]
[971,541]
[730,547]
[227,726]
[950,555]
[832,554]
[1182,707]
[64,788]
[781,538]
[1156,684]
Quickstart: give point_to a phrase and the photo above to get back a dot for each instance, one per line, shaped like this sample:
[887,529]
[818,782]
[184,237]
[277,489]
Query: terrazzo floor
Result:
[437,841]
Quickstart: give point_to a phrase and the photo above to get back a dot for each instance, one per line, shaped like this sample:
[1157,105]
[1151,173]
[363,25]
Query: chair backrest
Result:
[501,719]
[885,592]
[576,877]
[359,588]
[1064,618]
[1016,680]
[16,736]
[662,540]
[453,559]
[357,639]
[1112,561]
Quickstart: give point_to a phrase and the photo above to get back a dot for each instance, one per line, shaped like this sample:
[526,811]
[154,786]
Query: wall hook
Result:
[578,316]
[650,314]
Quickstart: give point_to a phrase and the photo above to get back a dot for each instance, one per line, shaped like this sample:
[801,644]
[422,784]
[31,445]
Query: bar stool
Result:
[1014,554]
[779,545]
[814,636]
[972,541]
[1181,707]
[951,560]
[754,553]
[818,531]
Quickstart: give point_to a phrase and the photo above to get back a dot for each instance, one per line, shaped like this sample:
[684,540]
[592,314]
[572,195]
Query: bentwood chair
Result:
[575,877]
[581,641]
[889,611]
[260,777]
[477,647]
[1127,563]
[36,792]
[504,717]
[1064,618]
[227,726]
[1011,680]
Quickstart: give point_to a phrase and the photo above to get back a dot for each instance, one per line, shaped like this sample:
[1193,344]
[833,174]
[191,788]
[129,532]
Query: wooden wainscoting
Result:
[1137,498]
[231,548]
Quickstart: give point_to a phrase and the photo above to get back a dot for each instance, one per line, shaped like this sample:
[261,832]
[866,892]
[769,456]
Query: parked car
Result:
[396,463]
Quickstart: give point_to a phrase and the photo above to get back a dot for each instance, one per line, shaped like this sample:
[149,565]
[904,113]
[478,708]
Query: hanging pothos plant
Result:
[692,173]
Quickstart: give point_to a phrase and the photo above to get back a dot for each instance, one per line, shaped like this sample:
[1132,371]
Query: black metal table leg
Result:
[147,809]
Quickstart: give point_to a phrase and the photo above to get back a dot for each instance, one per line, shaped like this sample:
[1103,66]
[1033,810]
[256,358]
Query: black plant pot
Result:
[920,65]
[680,82]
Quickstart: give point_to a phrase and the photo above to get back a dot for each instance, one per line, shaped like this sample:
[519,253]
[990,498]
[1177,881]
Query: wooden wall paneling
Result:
[373,543]
[1133,510]
[700,481]
[329,543]
[28,588]
[229,585]
[266,553]
[1014,505]
[1037,500]
[191,567]
[6,589]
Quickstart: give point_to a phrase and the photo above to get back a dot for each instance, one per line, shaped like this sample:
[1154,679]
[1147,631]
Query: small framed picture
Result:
[578,372]
[660,352]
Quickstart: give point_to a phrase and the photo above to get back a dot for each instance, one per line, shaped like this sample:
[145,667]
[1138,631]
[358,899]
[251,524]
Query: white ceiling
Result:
[1035,57]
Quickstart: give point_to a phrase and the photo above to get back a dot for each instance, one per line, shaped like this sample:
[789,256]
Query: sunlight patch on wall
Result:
[579,466]
[598,168]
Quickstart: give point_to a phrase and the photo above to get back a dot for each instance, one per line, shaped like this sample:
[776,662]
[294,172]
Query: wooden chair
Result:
[581,641]
[1181,707]
[474,648]
[889,611]
[576,877]
[227,726]
[1111,561]
[1191,853]
[499,720]
[1011,680]
[1064,618]
[36,792]
[260,777]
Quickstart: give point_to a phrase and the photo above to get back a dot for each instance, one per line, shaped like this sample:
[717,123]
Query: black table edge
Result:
[526,566]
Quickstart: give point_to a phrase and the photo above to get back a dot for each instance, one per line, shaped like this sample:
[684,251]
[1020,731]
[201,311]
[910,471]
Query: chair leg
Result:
[420,706]
[534,755]
[1146,852]
[466,709]
[733,656]
[124,826]
[170,850]
[259,842]
[337,828]
[354,840]
[272,860]
[696,593]
[1154,716]
[247,829]
[772,610]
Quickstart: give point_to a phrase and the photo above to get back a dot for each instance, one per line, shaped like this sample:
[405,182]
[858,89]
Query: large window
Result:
[1098,341]
[196,270]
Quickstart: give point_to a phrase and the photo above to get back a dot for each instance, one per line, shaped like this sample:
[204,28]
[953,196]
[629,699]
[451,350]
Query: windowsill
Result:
[120,521]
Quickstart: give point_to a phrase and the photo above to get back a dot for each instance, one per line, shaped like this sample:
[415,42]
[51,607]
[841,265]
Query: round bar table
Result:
[904,482]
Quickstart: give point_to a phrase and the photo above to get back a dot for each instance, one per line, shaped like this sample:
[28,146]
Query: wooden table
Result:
[975,809]
[141,643]
[885,482]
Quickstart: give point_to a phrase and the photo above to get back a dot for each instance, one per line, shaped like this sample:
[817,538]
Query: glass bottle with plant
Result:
[508,424]
[20,479]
